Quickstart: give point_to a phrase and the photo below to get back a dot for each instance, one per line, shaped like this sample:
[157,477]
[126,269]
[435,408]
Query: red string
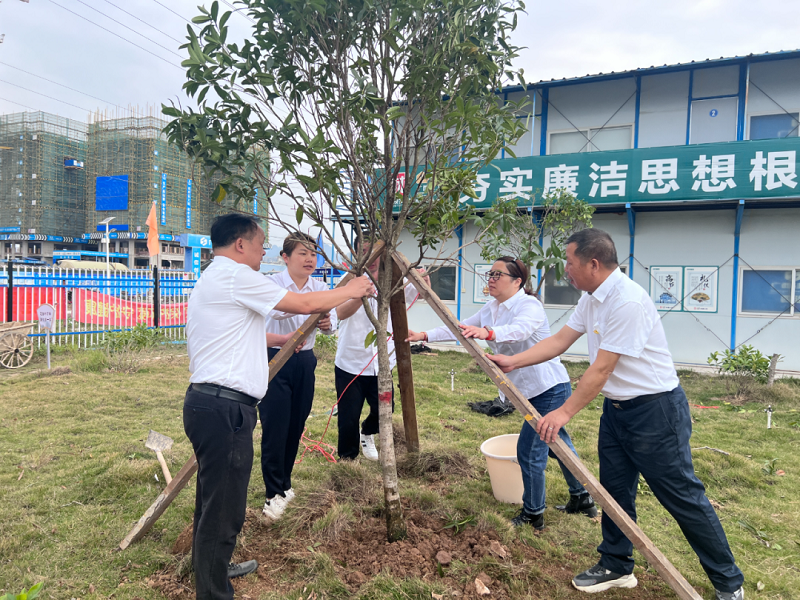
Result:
[318,444]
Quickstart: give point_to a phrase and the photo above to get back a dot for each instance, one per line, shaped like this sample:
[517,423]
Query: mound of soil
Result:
[361,552]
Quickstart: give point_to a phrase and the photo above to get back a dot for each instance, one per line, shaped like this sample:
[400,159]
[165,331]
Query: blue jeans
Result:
[532,452]
[652,438]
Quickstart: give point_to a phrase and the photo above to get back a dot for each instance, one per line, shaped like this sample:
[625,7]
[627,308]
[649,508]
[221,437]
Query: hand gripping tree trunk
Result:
[395,522]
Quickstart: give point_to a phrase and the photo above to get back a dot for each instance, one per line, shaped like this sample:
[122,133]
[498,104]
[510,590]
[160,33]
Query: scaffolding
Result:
[37,193]
[49,167]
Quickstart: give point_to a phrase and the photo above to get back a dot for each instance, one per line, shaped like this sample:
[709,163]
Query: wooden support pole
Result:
[402,350]
[610,507]
[183,477]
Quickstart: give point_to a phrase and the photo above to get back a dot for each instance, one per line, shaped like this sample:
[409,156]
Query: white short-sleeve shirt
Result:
[351,356]
[620,317]
[519,323]
[225,325]
[283,322]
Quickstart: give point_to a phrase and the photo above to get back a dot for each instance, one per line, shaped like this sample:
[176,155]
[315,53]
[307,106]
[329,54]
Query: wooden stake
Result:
[610,507]
[183,477]
[405,374]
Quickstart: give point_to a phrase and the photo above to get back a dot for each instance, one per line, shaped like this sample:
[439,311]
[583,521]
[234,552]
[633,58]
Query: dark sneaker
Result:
[241,569]
[599,579]
[579,504]
[526,518]
[737,595]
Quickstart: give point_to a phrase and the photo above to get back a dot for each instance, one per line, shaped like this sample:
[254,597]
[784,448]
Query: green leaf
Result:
[370,339]
[299,214]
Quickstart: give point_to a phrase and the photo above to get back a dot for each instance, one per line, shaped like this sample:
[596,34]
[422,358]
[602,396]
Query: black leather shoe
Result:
[579,504]
[526,518]
[241,569]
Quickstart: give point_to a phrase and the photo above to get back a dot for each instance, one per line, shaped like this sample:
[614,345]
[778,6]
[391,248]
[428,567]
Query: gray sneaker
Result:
[737,595]
[599,579]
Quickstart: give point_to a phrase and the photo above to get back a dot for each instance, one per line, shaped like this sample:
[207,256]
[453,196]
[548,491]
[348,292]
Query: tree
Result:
[515,227]
[375,113]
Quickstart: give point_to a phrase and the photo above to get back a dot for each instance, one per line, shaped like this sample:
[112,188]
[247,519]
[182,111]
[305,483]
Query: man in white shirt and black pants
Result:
[227,357]
[646,423]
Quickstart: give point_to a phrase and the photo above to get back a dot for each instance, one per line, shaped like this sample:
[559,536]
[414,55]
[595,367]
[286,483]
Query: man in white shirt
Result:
[356,373]
[227,357]
[646,423]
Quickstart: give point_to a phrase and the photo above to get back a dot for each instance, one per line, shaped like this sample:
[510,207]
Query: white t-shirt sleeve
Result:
[626,330]
[528,319]
[256,292]
[410,293]
[577,320]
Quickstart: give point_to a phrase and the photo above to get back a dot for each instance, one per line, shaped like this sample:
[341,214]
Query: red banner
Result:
[28,299]
[103,309]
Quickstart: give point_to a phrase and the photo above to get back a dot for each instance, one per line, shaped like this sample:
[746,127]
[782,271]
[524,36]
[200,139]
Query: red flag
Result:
[153,245]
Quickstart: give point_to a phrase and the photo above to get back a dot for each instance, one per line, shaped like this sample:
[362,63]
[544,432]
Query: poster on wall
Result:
[666,287]
[700,284]
[480,289]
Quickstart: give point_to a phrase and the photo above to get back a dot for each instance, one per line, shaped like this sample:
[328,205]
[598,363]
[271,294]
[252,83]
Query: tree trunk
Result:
[395,522]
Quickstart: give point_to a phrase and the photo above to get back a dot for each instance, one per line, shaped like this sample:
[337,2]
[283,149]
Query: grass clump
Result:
[435,465]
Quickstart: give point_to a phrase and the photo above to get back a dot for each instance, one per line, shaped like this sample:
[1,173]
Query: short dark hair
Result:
[594,244]
[226,229]
[518,270]
[291,241]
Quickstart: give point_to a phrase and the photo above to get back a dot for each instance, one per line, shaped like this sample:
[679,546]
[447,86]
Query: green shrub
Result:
[124,349]
[325,346]
[25,594]
[91,361]
[745,368]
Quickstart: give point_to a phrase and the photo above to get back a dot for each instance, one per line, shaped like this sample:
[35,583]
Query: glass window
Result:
[602,139]
[559,292]
[766,291]
[443,282]
[611,138]
[764,127]
[568,142]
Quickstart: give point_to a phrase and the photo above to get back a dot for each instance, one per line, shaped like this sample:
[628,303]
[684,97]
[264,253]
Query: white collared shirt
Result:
[225,324]
[620,317]
[283,322]
[351,356]
[518,323]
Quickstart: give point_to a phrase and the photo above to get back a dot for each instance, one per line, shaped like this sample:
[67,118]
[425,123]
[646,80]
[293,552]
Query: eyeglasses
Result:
[495,275]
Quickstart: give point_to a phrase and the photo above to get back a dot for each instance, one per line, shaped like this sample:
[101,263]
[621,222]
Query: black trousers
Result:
[221,432]
[284,411]
[363,387]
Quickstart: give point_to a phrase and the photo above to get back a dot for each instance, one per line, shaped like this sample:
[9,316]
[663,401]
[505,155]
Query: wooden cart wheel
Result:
[16,350]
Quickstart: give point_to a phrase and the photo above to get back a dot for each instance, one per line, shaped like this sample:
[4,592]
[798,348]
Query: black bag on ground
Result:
[492,408]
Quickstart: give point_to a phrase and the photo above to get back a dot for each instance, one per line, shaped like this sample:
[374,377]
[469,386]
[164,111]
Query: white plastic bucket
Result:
[504,471]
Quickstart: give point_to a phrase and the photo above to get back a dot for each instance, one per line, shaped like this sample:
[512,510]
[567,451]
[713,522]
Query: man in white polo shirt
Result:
[227,357]
[646,424]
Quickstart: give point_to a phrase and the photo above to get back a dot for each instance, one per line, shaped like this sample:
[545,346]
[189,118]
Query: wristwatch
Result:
[491,332]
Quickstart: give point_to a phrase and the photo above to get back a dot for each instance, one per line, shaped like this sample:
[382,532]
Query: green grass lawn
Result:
[75,476]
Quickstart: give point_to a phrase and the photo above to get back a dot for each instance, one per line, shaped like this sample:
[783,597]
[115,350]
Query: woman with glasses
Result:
[513,321]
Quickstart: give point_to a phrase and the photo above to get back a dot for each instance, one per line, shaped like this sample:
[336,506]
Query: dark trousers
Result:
[652,438]
[363,387]
[284,411]
[221,432]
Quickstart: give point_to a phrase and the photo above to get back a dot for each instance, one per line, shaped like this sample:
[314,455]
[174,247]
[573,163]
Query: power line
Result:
[130,29]
[18,104]
[236,10]
[173,12]
[65,86]
[116,34]
[45,95]
[142,21]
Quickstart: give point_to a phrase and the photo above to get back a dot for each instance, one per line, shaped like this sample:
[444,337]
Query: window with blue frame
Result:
[771,291]
[764,127]
[443,282]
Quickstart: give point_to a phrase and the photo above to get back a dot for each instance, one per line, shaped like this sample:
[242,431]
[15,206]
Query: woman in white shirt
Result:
[513,321]
[286,406]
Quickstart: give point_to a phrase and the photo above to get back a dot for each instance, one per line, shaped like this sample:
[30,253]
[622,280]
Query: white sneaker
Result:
[289,495]
[368,447]
[274,507]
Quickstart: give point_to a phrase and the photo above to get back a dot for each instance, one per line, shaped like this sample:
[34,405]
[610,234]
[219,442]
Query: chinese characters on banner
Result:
[163,198]
[188,204]
[684,289]
[734,170]
[103,309]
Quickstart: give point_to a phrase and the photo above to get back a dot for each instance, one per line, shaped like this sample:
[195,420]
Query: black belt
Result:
[220,391]
[638,401]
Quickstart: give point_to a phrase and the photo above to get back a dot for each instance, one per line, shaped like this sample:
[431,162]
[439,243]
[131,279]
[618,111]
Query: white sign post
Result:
[46,314]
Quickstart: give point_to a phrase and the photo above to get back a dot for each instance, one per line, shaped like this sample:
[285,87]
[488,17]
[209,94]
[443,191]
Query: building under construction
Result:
[60,178]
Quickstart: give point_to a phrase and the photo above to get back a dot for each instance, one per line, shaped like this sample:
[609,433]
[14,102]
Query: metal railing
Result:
[88,304]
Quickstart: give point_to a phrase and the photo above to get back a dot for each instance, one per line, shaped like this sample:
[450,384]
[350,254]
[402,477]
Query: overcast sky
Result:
[55,40]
